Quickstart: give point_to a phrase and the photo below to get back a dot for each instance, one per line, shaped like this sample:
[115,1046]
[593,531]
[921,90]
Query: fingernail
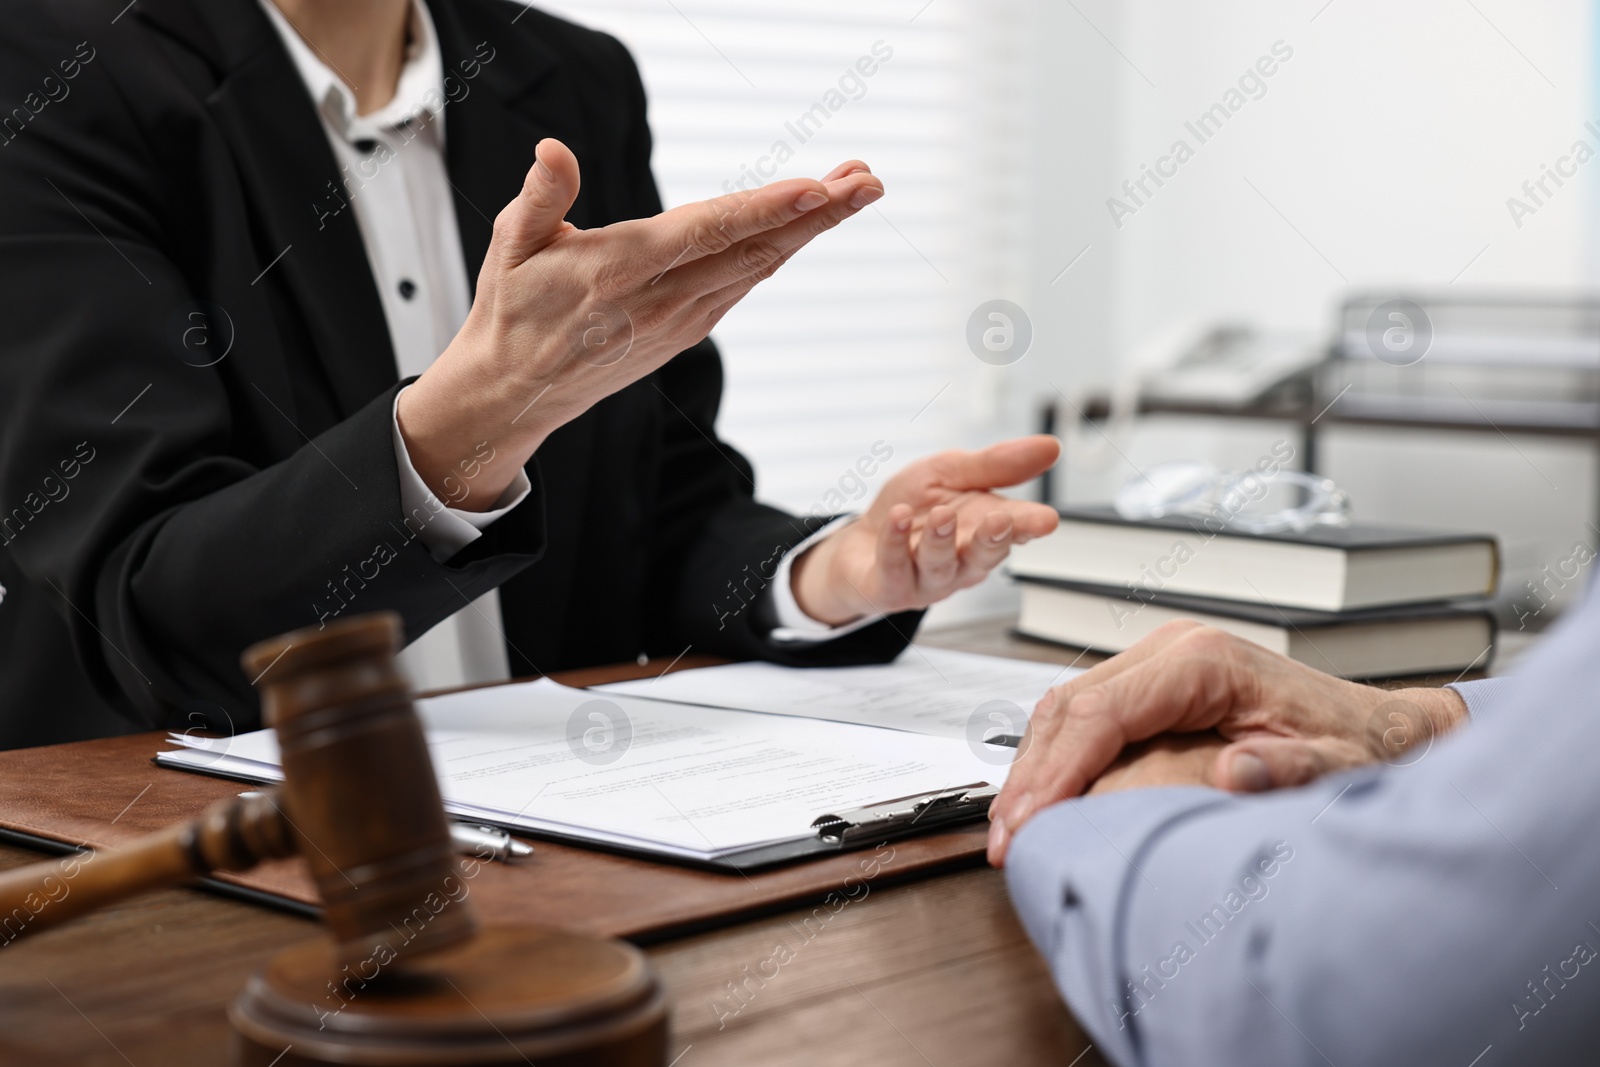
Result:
[545,174]
[1001,536]
[903,525]
[864,196]
[1250,774]
[946,530]
[809,200]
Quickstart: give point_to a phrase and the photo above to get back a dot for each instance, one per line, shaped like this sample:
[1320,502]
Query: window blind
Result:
[857,347]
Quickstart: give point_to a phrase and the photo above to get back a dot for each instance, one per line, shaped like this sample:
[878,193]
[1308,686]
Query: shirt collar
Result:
[420,89]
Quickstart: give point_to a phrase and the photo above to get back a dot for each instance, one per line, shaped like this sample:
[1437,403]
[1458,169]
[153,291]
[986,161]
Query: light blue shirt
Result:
[1446,912]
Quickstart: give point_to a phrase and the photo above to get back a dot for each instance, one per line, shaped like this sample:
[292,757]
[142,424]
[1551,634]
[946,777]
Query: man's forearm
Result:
[1406,913]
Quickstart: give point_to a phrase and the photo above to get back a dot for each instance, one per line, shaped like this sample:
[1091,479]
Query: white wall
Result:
[1382,152]
[857,346]
[1390,141]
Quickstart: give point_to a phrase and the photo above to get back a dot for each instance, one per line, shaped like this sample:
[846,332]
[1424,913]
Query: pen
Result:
[487,842]
[484,842]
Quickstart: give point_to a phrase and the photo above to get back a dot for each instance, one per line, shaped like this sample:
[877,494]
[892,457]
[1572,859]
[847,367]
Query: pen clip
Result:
[905,814]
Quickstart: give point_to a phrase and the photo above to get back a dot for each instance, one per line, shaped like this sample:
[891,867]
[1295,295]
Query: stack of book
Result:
[1359,601]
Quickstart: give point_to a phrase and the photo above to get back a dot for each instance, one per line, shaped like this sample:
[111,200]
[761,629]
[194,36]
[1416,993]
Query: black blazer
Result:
[167,195]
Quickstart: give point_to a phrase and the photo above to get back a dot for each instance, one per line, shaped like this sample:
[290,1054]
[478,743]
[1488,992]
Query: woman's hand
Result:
[564,317]
[936,527]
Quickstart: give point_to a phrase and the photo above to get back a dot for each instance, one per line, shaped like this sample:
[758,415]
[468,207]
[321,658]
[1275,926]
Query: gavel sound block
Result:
[405,975]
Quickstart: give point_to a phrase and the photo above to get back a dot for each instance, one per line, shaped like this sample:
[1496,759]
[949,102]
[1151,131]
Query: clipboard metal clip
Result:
[904,815]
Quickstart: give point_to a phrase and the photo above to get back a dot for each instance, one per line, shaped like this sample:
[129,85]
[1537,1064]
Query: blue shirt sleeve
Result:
[1438,913]
[1067,872]
[1482,695]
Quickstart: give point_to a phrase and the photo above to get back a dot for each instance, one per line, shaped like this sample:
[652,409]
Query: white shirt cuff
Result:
[794,625]
[445,530]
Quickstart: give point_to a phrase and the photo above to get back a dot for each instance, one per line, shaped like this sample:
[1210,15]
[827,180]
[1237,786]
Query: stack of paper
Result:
[690,781]
[927,690]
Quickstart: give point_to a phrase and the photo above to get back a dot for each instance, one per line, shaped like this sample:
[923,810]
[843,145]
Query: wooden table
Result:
[934,972]
[930,972]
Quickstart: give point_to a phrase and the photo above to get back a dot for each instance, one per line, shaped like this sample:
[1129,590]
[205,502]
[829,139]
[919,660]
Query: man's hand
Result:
[564,317]
[1171,759]
[1286,723]
[936,527]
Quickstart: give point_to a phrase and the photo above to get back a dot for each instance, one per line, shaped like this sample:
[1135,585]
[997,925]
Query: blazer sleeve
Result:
[149,496]
[715,548]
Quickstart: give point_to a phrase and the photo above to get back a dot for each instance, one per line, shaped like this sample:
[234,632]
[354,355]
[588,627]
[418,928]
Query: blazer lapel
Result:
[504,99]
[515,100]
[309,242]
[503,102]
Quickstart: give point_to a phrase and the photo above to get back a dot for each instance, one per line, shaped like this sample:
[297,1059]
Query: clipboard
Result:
[77,795]
[832,832]
[847,831]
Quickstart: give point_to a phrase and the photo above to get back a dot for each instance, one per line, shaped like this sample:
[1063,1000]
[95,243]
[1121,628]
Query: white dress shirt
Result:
[397,184]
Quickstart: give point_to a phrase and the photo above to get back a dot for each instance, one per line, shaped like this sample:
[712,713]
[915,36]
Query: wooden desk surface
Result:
[934,972]
[929,972]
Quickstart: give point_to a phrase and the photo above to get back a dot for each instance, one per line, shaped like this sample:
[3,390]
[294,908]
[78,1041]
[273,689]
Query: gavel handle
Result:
[231,835]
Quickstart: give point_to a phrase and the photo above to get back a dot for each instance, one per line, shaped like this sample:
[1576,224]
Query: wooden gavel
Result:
[405,975]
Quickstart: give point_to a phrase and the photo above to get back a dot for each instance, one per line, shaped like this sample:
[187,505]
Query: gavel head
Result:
[359,790]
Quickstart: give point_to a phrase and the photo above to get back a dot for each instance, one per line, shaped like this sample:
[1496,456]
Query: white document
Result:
[926,691]
[694,782]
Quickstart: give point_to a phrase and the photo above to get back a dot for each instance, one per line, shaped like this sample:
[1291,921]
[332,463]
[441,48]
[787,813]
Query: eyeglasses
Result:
[1248,501]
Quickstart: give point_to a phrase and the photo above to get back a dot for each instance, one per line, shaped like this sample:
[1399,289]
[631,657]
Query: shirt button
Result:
[408,288]
[366,146]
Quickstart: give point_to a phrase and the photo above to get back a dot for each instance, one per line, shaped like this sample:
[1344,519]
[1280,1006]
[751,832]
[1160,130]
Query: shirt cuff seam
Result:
[445,530]
[794,625]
